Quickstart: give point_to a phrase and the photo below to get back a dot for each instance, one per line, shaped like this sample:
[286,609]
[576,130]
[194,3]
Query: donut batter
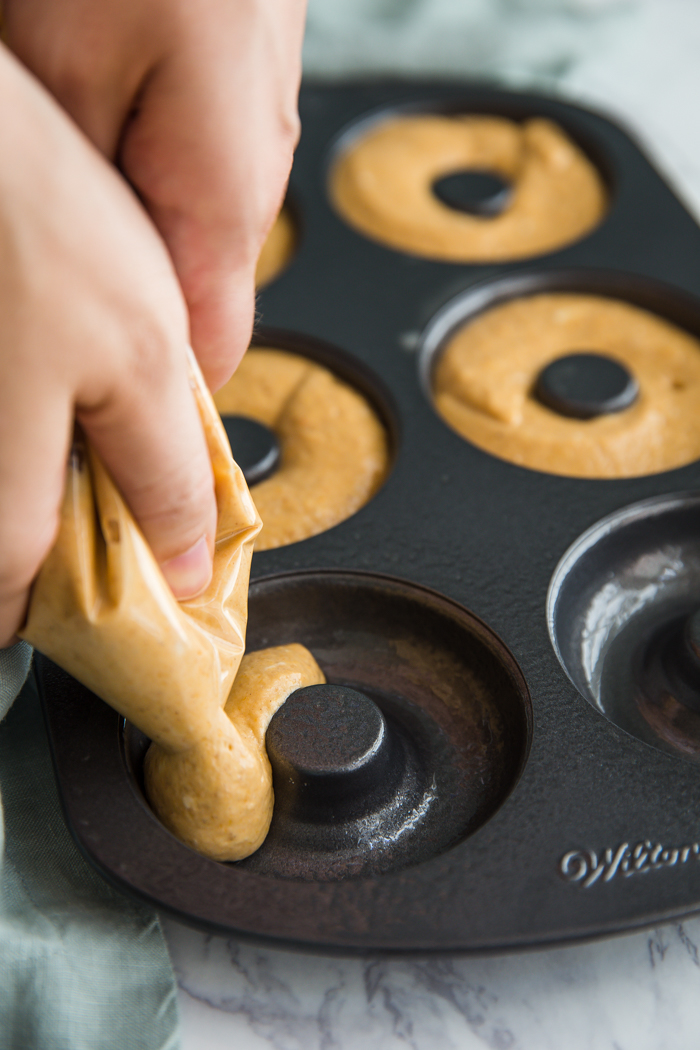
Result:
[100,608]
[277,249]
[227,772]
[382,185]
[334,453]
[484,379]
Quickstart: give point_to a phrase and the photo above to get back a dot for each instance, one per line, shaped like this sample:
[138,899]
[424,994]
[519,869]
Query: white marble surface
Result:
[637,59]
[638,992]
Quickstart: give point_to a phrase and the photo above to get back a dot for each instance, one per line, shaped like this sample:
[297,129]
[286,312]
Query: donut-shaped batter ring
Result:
[483,387]
[382,185]
[334,453]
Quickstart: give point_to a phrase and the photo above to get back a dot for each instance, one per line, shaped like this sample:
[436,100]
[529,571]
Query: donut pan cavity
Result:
[622,612]
[457,721]
[554,794]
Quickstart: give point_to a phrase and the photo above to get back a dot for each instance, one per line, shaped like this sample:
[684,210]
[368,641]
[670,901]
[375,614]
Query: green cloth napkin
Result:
[81,966]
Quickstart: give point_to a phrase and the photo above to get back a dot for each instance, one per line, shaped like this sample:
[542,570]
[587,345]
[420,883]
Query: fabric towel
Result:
[81,966]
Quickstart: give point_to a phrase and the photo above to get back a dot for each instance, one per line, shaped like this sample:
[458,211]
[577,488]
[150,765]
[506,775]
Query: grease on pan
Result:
[483,387]
[334,449]
[382,184]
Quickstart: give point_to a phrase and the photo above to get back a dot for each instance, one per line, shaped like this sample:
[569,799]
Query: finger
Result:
[32,468]
[222,312]
[219,288]
[209,150]
[205,207]
[149,435]
[93,57]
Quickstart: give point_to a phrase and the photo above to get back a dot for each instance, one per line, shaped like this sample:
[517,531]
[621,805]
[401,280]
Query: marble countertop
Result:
[637,60]
[638,992]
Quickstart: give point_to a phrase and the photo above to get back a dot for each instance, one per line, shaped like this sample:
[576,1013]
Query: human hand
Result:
[93,326]
[196,103]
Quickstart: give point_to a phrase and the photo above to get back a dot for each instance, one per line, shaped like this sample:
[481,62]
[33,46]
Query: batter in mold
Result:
[484,383]
[383,185]
[334,453]
[277,249]
[216,795]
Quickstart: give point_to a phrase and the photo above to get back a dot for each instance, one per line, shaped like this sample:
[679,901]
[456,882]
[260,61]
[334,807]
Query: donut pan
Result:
[522,633]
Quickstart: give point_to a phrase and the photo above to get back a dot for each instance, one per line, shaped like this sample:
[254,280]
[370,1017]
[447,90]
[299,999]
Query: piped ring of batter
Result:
[216,795]
[334,449]
[382,185]
[484,379]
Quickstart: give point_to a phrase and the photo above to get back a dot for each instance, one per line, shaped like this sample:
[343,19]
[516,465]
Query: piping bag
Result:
[100,608]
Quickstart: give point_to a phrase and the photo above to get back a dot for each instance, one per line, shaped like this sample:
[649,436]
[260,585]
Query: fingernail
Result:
[189,574]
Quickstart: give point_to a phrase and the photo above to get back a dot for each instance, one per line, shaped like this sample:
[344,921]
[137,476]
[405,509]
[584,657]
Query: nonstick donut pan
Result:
[515,653]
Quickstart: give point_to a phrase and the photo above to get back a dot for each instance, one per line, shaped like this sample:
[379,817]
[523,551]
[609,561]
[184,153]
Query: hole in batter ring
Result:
[474,191]
[334,450]
[486,379]
[382,184]
[584,385]
[254,447]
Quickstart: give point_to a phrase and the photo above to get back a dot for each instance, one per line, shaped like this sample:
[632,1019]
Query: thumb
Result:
[149,435]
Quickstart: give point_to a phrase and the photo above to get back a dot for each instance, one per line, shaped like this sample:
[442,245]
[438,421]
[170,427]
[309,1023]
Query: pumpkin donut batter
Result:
[484,379]
[382,185]
[277,249]
[216,796]
[334,452]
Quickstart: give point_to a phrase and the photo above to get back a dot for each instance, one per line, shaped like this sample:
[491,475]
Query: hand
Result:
[93,326]
[196,103]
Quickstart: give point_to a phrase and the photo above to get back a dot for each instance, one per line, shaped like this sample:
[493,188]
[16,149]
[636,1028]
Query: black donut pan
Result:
[472,530]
